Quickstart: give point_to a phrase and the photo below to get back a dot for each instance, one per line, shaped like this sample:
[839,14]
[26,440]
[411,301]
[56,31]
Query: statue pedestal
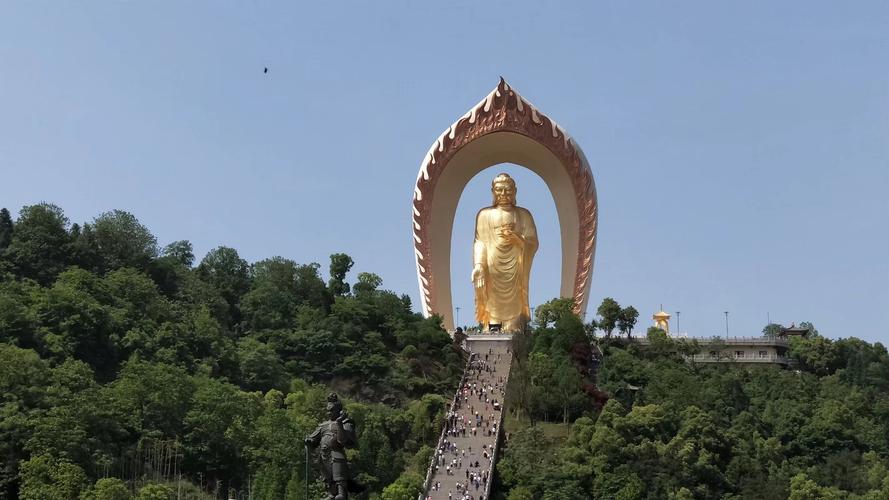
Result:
[488,336]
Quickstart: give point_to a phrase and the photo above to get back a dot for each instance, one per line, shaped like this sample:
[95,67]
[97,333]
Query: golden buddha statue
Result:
[504,246]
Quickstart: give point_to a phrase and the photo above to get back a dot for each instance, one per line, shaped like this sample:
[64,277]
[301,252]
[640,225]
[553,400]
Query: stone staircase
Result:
[473,424]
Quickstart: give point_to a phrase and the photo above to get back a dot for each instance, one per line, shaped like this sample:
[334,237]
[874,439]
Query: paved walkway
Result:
[464,459]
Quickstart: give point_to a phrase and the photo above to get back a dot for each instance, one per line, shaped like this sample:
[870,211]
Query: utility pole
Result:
[726,323]
[678,328]
[457,320]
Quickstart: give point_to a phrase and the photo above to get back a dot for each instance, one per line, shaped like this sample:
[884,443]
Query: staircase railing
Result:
[497,436]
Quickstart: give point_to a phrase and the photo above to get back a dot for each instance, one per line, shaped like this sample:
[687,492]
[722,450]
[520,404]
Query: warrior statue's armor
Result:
[332,437]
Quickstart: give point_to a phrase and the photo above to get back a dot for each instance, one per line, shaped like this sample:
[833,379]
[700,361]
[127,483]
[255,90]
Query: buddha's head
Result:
[503,188]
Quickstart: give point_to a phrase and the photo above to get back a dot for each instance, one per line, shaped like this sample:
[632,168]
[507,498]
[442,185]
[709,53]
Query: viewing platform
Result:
[753,350]
[751,341]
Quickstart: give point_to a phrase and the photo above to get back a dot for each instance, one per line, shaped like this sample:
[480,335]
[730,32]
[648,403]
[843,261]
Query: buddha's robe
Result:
[506,264]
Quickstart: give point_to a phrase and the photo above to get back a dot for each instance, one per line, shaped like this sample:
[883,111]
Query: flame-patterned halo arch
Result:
[502,128]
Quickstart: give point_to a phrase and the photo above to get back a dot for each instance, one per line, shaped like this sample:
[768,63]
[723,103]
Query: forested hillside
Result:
[133,371]
[127,369]
[673,429]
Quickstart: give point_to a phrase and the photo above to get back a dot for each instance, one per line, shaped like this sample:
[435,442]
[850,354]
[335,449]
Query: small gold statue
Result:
[504,246]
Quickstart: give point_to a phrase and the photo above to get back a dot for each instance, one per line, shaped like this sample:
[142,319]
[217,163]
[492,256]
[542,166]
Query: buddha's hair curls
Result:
[503,177]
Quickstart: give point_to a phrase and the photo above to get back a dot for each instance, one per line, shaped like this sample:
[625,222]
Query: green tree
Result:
[367,283]
[544,401]
[151,398]
[280,287]
[406,487]
[44,478]
[609,310]
[109,488]
[76,321]
[260,366]
[520,493]
[171,270]
[181,251]
[278,430]
[813,332]
[273,300]
[699,452]
[526,460]
[311,290]
[816,354]
[656,334]
[78,424]
[803,488]
[568,387]
[156,492]
[865,365]
[18,312]
[136,300]
[548,313]
[340,265]
[627,320]
[83,248]
[6,229]
[519,387]
[39,245]
[122,241]
[772,330]
[589,328]
[210,442]
[228,273]
[24,378]
[375,454]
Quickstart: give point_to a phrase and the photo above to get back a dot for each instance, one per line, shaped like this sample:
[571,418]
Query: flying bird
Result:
[265,70]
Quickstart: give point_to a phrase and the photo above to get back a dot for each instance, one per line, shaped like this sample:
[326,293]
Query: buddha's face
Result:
[504,194]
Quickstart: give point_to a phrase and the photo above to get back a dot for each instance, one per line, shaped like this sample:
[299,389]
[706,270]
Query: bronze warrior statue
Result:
[334,435]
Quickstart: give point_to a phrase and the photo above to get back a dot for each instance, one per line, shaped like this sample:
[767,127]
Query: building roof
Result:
[795,330]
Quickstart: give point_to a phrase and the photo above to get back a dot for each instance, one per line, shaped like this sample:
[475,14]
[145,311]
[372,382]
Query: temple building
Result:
[662,320]
[754,350]
[747,350]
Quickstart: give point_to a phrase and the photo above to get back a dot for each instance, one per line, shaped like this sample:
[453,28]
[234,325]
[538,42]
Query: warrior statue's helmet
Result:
[334,406]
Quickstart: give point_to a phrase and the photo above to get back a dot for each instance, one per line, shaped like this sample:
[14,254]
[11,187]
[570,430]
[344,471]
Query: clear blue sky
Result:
[741,151]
